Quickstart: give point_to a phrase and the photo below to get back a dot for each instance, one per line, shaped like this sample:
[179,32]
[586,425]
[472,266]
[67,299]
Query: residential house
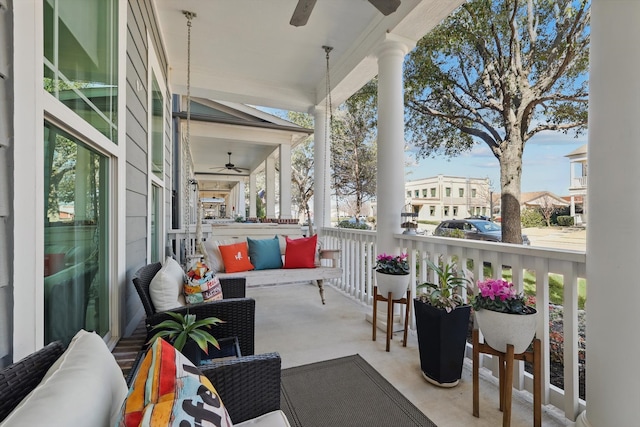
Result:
[543,200]
[104,84]
[447,197]
[578,184]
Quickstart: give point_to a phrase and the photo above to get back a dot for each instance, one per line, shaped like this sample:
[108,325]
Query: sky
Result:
[544,168]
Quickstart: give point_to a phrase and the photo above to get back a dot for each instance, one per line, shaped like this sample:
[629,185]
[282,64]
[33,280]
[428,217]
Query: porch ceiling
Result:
[246,52]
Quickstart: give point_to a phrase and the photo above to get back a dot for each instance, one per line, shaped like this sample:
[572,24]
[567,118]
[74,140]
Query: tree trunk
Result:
[510,177]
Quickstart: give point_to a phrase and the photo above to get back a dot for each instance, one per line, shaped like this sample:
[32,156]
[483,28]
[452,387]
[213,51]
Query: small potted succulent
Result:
[392,274]
[442,322]
[187,334]
[503,315]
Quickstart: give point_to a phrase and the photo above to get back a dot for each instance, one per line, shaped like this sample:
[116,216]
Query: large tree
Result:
[302,166]
[500,72]
[353,148]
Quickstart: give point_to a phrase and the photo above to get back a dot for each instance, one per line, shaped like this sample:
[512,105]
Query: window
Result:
[433,192]
[424,192]
[473,192]
[80,59]
[157,128]
[409,194]
[447,191]
[76,243]
[446,211]
[455,211]
[432,211]
[484,211]
[417,193]
[461,192]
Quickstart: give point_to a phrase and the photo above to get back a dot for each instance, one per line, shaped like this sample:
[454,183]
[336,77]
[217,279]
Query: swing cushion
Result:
[265,253]
[236,257]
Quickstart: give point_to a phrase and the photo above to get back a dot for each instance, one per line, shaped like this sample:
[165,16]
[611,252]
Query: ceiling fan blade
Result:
[238,170]
[302,12]
[386,7]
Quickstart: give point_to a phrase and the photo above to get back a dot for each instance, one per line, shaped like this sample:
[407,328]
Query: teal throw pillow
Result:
[265,253]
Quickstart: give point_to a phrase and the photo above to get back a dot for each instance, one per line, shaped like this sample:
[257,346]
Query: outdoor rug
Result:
[345,392]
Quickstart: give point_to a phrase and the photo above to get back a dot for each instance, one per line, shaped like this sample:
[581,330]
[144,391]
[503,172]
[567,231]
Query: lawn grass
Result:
[556,286]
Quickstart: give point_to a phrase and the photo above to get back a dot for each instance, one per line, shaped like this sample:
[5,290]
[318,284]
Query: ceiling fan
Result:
[231,166]
[303,10]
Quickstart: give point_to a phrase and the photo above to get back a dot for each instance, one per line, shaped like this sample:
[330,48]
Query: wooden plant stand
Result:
[390,305]
[506,377]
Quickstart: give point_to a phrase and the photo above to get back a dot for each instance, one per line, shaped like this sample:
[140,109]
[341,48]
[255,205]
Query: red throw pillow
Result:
[301,253]
[235,257]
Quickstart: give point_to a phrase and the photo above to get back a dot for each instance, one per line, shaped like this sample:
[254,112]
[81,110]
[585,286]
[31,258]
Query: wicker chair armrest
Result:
[234,287]
[17,380]
[249,386]
[238,315]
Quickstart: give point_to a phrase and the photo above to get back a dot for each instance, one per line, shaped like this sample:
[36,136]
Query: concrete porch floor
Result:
[291,320]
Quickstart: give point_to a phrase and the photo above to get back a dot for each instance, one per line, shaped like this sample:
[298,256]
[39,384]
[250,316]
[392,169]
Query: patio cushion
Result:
[236,257]
[205,289]
[165,288]
[213,257]
[270,419]
[265,253]
[84,387]
[168,390]
[301,253]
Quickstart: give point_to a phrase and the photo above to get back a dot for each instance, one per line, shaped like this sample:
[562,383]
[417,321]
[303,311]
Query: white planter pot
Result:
[500,329]
[395,283]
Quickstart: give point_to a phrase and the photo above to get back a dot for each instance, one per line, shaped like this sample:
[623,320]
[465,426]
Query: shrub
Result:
[459,234]
[565,221]
[358,226]
[532,218]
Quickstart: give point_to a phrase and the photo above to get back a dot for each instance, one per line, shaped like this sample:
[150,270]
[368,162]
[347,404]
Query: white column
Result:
[572,209]
[612,394]
[270,183]
[285,181]
[253,212]
[322,173]
[241,207]
[390,178]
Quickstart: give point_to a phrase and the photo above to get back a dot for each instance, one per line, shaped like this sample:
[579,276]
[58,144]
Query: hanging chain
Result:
[327,128]
[187,146]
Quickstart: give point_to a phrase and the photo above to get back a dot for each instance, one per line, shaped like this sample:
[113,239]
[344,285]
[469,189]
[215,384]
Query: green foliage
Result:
[446,293]
[565,220]
[454,232]
[356,225]
[185,327]
[353,147]
[532,218]
[302,165]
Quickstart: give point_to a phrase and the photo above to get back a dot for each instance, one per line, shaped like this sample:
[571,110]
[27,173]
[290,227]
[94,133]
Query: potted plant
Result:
[187,334]
[503,315]
[392,274]
[442,322]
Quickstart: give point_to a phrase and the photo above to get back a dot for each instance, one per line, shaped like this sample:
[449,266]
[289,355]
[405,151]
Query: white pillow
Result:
[84,387]
[166,286]
[213,257]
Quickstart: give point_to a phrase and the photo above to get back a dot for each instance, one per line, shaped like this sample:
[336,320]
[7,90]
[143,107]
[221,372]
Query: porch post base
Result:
[582,420]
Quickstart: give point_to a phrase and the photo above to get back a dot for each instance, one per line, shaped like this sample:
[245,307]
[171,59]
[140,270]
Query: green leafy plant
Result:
[446,293]
[390,264]
[185,327]
[501,296]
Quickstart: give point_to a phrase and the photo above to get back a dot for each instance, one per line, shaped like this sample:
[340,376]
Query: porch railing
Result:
[357,256]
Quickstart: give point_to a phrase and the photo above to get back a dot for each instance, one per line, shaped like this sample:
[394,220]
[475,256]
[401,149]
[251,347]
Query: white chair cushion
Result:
[213,257]
[271,419]
[84,387]
[166,286]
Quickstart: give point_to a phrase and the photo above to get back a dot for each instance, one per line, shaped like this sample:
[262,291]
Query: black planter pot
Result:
[442,339]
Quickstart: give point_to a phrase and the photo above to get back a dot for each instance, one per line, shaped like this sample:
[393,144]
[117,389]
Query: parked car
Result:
[475,229]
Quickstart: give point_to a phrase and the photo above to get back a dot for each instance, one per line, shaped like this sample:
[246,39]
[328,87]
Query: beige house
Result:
[578,183]
[447,197]
[533,199]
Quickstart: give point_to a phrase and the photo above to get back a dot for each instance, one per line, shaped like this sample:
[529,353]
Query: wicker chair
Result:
[17,380]
[249,386]
[237,311]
